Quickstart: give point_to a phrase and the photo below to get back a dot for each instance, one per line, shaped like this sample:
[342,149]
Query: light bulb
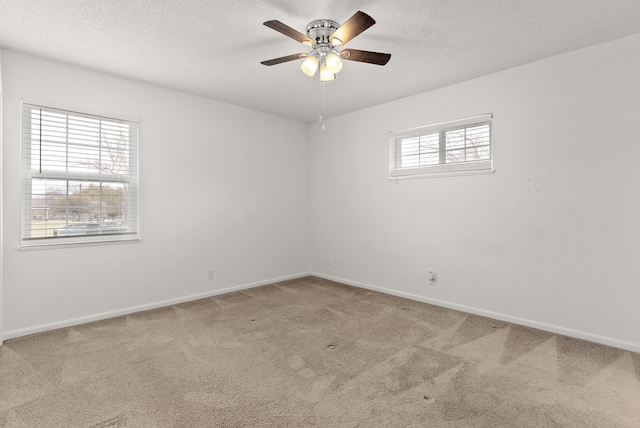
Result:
[309,66]
[326,74]
[333,63]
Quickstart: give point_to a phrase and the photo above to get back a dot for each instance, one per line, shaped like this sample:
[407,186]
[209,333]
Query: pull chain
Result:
[322,109]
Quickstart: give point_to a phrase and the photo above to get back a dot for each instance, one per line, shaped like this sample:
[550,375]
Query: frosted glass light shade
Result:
[333,63]
[309,66]
[326,74]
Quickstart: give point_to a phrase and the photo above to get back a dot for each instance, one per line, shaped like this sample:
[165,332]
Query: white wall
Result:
[552,239]
[221,187]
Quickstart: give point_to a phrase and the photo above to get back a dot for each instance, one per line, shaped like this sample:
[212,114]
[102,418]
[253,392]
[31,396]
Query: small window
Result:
[79,177]
[457,147]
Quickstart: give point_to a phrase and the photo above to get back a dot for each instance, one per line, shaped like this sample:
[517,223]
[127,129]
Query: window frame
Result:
[396,171]
[28,175]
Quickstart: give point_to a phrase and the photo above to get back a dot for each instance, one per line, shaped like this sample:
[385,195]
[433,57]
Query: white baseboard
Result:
[111,314]
[634,347]
[629,346]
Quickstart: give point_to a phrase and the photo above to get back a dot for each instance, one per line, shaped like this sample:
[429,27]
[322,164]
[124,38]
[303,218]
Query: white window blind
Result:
[457,147]
[79,177]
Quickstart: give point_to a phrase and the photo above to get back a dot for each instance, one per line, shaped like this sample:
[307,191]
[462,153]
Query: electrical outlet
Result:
[329,260]
[211,274]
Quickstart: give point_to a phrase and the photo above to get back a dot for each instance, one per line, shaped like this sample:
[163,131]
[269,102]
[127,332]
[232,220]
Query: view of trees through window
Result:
[59,204]
[78,174]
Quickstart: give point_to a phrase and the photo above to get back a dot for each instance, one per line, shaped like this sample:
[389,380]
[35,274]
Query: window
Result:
[79,177]
[457,147]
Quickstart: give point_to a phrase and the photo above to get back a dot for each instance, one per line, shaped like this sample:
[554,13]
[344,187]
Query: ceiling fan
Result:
[323,35]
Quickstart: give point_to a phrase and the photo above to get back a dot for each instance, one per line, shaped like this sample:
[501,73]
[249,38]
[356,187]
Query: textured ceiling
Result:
[213,48]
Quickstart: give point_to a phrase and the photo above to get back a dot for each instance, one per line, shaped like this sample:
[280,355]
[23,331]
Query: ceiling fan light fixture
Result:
[333,63]
[326,74]
[323,35]
[309,65]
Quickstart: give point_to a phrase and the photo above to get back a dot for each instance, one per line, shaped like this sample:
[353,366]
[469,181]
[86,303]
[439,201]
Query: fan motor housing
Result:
[320,30]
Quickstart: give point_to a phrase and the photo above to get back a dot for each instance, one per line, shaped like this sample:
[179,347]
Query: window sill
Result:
[440,174]
[57,246]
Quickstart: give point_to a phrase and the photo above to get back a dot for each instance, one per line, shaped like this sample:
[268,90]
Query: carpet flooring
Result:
[313,353]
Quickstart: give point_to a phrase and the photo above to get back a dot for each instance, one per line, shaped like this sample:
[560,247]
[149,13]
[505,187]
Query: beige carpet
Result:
[313,353]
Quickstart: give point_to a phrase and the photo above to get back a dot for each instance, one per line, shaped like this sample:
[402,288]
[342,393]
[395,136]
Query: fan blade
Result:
[283,59]
[289,32]
[355,25]
[365,56]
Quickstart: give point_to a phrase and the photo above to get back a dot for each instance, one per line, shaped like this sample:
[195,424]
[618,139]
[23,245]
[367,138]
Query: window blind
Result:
[460,146]
[79,177]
